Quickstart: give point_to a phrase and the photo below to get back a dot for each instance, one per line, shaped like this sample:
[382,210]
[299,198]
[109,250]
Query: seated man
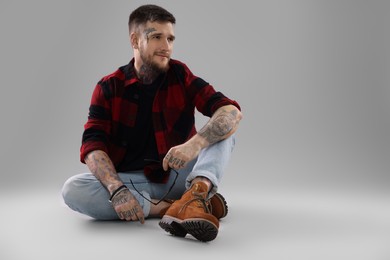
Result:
[140,143]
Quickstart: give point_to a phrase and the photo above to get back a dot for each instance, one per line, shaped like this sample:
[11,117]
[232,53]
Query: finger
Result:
[176,163]
[119,213]
[123,215]
[141,217]
[133,215]
[166,162]
[139,214]
[172,161]
[182,164]
[179,163]
[128,215]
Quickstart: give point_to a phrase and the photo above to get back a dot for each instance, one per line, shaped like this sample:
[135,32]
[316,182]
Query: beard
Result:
[151,66]
[151,69]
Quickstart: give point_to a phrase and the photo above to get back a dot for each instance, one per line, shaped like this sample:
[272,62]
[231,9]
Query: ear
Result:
[134,40]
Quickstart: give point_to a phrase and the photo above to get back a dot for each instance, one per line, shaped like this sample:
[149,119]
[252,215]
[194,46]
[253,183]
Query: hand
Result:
[127,207]
[178,156]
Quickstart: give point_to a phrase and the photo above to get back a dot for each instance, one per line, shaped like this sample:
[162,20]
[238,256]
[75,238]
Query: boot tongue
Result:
[199,193]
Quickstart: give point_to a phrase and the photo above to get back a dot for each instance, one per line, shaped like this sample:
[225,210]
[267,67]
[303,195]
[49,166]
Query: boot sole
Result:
[173,226]
[202,229]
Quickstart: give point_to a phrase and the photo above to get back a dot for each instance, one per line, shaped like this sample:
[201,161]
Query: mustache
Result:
[162,53]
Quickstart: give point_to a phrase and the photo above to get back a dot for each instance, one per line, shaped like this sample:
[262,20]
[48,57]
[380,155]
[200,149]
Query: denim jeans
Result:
[85,194]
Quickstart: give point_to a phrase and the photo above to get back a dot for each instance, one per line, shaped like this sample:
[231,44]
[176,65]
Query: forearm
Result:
[103,169]
[221,125]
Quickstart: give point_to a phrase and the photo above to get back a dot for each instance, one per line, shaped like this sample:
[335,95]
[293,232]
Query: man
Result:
[140,144]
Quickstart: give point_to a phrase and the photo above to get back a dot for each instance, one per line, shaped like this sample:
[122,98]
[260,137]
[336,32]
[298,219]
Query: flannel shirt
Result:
[113,110]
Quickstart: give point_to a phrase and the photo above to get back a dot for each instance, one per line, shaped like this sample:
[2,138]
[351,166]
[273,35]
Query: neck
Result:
[147,74]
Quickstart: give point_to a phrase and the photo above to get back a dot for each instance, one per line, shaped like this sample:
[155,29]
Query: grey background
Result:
[312,78]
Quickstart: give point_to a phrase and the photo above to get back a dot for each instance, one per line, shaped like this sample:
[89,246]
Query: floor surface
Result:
[296,224]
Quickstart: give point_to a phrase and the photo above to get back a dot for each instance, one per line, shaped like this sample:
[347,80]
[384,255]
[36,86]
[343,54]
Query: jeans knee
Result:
[73,193]
[87,196]
[68,192]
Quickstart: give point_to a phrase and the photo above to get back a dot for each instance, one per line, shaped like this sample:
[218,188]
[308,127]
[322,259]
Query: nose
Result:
[166,44]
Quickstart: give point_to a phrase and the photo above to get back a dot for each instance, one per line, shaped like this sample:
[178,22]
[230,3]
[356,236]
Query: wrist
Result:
[199,141]
[117,191]
[112,187]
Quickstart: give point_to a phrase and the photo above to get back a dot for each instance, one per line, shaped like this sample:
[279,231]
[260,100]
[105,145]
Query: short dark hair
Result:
[151,13]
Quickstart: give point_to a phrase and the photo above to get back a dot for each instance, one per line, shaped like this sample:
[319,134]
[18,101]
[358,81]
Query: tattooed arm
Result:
[102,168]
[221,125]
[124,203]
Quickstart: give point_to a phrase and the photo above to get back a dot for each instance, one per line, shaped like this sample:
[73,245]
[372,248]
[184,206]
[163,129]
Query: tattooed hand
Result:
[178,156]
[127,207]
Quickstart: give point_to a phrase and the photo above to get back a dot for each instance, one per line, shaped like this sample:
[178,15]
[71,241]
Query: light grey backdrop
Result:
[312,78]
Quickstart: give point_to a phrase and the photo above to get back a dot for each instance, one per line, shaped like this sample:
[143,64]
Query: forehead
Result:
[158,27]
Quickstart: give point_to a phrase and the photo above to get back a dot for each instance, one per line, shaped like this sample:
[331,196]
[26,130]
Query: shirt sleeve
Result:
[97,127]
[203,95]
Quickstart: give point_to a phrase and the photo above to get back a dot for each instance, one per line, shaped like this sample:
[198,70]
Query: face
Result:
[154,43]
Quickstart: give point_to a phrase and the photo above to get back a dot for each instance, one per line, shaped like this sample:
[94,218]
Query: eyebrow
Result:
[155,33]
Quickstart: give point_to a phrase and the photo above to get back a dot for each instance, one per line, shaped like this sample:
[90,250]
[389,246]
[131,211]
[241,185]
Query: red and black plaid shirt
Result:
[113,111]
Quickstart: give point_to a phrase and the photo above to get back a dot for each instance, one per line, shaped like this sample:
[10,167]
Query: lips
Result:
[164,55]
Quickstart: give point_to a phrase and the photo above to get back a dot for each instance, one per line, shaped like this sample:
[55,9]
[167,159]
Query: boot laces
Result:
[199,197]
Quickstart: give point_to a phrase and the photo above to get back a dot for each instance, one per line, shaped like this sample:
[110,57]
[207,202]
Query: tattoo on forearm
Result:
[102,168]
[219,126]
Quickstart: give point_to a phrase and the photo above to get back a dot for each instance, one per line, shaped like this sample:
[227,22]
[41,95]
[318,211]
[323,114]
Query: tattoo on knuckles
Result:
[130,213]
[171,159]
[176,161]
[127,214]
[135,210]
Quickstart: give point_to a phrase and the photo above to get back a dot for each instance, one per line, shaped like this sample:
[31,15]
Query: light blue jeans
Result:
[85,194]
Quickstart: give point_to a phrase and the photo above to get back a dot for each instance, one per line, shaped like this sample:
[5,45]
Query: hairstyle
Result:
[151,13]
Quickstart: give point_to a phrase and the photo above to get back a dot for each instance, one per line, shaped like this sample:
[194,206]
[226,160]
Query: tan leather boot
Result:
[216,204]
[191,215]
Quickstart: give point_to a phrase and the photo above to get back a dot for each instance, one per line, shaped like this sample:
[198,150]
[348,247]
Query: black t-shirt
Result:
[141,138]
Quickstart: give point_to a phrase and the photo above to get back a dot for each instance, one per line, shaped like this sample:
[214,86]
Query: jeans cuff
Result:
[146,206]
